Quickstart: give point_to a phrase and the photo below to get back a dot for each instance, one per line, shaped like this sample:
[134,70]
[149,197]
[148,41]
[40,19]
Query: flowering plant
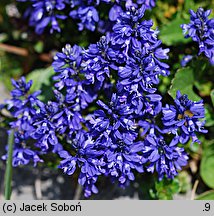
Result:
[107,113]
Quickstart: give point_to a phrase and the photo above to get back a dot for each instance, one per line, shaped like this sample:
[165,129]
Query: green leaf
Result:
[209,115]
[171,34]
[40,77]
[209,195]
[207,144]
[42,81]
[167,188]
[183,81]
[200,66]
[207,166]
[188,4]
[212,96]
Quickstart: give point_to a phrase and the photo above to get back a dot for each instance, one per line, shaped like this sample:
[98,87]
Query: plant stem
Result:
[8,173]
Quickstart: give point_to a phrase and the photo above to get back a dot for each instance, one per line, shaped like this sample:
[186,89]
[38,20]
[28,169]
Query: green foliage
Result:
[207,165]
[171,34]
[184,81]
[209,115]
[209,195]
[166,188]
[207,170]
[40,77]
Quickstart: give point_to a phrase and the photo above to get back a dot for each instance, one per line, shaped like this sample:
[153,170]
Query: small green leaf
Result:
[209,195]
[183,81]
[207,166]
[171,34]
[167,188]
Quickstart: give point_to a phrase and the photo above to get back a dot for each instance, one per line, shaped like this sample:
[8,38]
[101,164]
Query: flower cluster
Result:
[200,29]
[23,107]
[43,13]
[107,117]
[46,12]
[183,118]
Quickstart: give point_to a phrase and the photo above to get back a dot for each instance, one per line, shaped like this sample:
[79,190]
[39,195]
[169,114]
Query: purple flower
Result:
[21,87]
[105,118]
[149,4]
[185,60]
[115,12]
[122,158]
[45,12]
[184,118]
[114,129]
[67,61]
[70,77]
[88,157]
[96,63]
[23,105]
[200,29]
[68,121]
[22,155]
[113,117]
[162,157]
[88,17]
[141,103]
[44,135]
[140,50]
